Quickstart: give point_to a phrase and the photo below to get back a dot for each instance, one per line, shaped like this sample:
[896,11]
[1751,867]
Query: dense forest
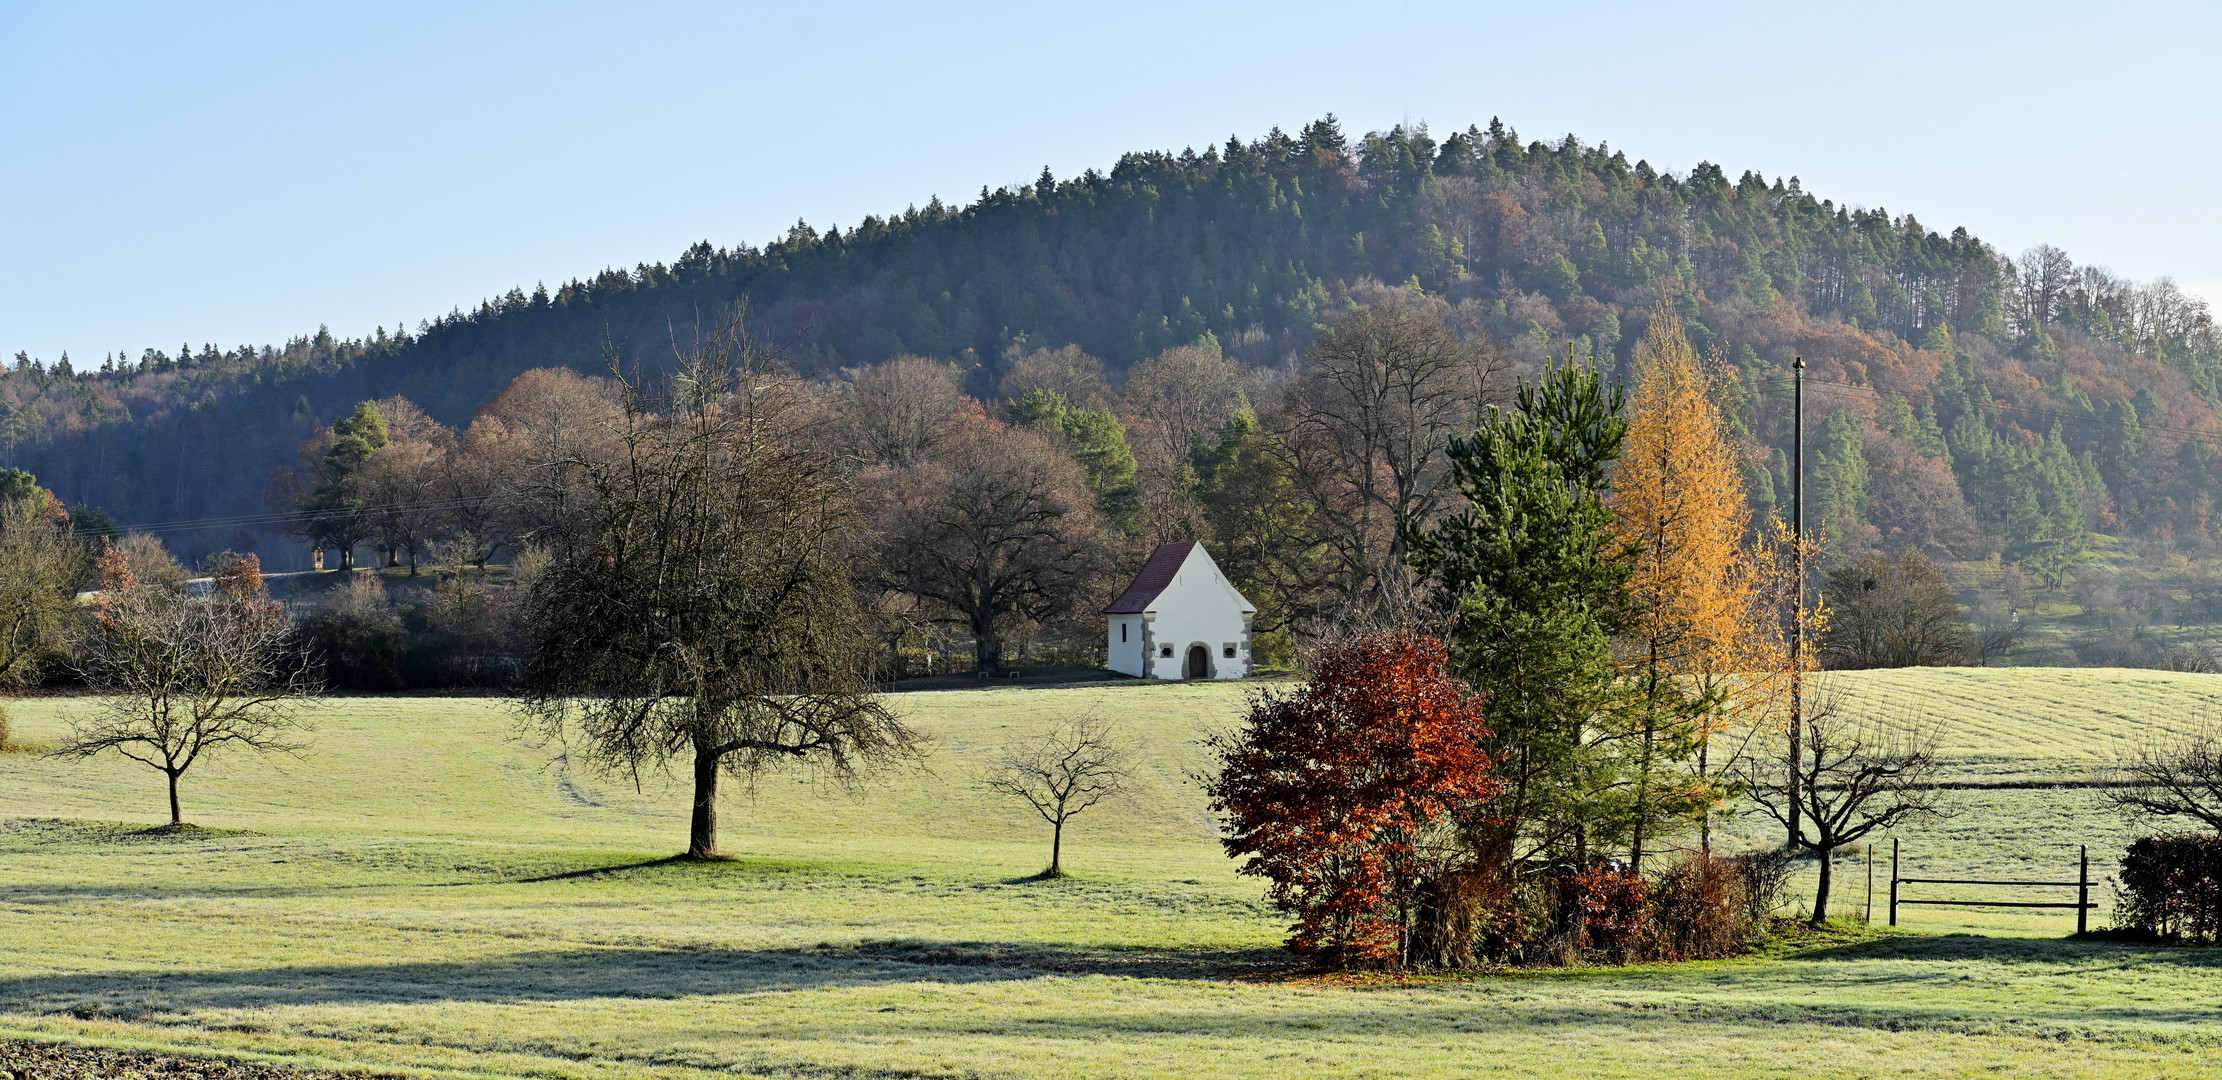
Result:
[2012,411]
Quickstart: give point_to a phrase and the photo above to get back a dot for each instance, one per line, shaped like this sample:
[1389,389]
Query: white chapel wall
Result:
[1199,607]
[1126,655]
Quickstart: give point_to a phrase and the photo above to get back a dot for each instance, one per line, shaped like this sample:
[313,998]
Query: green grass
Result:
[424,890]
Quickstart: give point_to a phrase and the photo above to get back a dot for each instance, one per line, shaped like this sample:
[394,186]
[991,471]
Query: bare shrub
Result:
[2194,657]
[1700,910]
[1765,874]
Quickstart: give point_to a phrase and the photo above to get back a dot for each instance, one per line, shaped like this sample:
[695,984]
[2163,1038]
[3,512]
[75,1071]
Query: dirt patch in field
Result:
[57,1061]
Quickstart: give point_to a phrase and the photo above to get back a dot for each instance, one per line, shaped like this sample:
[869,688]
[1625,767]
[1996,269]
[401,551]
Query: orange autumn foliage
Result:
[1341,793]
[1705,628]
[1679,498]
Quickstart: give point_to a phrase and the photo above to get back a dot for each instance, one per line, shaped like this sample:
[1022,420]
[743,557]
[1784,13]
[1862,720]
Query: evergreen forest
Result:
[2046,429]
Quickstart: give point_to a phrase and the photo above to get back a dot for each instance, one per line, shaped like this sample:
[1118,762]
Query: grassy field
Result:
[424,891]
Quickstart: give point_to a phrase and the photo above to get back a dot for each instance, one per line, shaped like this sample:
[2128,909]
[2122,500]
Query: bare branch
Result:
[2171,777]
[1853,776]
[184,675]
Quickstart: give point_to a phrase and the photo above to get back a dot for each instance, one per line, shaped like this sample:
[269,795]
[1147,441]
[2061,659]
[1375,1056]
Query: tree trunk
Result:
[702,833]
[1821,892]
[987,650]
[1643,794]
[1705,822]
[1056,846]
[177,817]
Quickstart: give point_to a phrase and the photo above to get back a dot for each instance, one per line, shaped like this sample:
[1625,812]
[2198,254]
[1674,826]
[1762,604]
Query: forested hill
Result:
[1965,400]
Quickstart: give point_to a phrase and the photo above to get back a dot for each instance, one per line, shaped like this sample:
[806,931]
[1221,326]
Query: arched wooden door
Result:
[1199,662]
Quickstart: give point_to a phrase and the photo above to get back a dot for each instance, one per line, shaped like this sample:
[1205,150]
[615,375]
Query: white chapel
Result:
[1181,619]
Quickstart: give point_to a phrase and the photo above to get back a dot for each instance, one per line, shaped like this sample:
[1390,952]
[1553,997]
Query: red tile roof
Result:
[1156,574]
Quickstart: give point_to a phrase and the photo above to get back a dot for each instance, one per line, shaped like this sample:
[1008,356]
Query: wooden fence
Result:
[2082,886]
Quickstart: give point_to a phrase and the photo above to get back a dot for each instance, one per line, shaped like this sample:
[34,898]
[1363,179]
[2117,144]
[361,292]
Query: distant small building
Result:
[1181,619]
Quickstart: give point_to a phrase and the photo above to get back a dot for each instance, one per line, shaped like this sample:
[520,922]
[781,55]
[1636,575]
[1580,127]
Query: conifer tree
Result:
[1532,573]
[333,512]
[1678,495]
[1839,499]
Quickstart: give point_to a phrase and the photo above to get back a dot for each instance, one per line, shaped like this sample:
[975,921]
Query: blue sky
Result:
[243,173]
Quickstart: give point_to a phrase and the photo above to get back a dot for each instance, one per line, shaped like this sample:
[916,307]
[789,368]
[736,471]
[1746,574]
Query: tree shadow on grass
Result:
[576,974]
[1959,948]
[588,872]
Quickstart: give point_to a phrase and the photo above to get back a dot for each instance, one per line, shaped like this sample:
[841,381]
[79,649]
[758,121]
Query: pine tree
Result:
[1839,499]
[1533,574]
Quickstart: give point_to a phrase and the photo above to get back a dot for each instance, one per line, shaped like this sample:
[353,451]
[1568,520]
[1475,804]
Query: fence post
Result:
[1893,881]
[2083,894]
[1869,917]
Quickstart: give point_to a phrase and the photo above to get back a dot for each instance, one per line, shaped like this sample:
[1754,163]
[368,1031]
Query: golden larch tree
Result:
[1692,620]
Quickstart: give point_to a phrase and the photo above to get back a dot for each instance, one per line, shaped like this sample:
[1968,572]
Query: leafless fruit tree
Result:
[184,676]
[1852,776]
[1072,766]
[697,604]
[2171,777]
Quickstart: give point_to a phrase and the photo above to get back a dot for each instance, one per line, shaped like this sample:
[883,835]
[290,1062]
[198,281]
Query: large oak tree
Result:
[1000,530]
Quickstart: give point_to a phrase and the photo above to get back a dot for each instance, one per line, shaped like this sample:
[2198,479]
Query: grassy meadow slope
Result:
[424,890]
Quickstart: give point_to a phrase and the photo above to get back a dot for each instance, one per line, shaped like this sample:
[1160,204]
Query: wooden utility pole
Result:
[1797,563]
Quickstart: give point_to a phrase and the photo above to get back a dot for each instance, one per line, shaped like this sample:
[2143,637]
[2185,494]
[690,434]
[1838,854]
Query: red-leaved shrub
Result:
[1615,908]
[1342,795]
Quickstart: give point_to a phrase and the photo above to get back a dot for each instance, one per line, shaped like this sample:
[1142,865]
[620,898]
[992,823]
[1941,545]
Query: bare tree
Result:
[2040,280]
[1175,403]
[2169,777]
[1184,394]
[398,486]
[1074,765]
[1068,371]
[1001,532]
[476,499]
[1851,776]
[183,676]
[698,606]
[1889,611]
[527,453]
[150,561]
[1369,418]
[899,412]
